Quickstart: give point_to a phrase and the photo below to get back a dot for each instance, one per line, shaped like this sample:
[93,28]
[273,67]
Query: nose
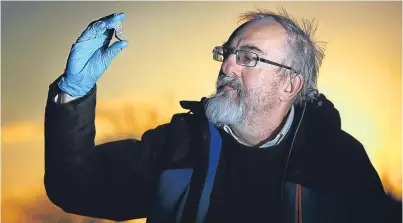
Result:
[230,67]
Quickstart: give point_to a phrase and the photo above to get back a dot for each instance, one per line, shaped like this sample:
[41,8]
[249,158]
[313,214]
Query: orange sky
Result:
[169,59]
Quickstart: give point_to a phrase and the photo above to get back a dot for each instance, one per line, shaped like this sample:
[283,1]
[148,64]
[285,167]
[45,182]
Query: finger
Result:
[107,37]
[111,22]
[98,27]
[114,17]
[113,50]
[94,30]
[105,18]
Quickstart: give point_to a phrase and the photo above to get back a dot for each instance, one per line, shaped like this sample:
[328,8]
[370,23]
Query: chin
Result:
[221,110]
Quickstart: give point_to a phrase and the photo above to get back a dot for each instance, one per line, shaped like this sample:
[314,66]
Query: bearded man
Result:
[266,147]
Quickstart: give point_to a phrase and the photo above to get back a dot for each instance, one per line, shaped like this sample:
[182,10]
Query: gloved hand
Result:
[90,56]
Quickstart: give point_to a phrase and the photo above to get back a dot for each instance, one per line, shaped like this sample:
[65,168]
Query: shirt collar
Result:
[277,139]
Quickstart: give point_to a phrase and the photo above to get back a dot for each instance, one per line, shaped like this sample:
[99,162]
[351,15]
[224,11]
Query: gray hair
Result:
[306,55]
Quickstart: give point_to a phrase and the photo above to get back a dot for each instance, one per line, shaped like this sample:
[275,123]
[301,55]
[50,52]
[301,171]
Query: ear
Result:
[291,87]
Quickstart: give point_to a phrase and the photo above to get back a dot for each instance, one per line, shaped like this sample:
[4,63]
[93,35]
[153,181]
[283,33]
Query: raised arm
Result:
[114,180]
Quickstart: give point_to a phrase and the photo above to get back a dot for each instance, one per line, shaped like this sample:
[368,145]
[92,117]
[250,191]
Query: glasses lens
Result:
[246,58]
[218,54]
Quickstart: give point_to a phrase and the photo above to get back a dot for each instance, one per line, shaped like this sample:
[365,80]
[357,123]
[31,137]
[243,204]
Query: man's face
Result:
[244,91]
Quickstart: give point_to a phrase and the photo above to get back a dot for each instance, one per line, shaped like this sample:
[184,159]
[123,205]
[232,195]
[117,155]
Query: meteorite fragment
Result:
[119,30]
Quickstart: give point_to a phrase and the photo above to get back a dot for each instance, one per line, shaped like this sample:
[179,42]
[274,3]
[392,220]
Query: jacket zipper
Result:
[288,158]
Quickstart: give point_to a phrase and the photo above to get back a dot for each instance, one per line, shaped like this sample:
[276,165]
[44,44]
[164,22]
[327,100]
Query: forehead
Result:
[269,36]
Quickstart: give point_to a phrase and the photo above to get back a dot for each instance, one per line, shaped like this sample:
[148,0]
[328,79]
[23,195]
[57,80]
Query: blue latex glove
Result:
[91,55]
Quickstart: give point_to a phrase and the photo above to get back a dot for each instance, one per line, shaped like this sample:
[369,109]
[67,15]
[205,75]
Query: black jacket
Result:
[116,180]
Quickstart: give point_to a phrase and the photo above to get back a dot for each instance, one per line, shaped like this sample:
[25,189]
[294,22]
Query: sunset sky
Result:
[169,58]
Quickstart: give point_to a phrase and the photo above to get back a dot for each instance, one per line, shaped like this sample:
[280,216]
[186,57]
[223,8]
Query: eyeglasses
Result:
[243,57]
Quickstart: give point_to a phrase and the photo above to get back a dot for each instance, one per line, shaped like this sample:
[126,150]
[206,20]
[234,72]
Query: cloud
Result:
[123,119]
[22,132]
[114,119]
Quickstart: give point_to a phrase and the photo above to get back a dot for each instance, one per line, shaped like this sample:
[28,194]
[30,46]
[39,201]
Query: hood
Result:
[321,115]
[196,107]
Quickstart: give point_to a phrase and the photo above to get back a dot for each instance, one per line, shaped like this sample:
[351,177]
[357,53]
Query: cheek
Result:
[253,79]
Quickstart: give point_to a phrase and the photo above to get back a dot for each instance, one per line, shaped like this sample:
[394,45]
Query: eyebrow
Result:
[247,47]
[251,48]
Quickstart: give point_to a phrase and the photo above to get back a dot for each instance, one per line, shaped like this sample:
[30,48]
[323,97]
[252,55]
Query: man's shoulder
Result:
[341,147]
[353,156]
[349,145]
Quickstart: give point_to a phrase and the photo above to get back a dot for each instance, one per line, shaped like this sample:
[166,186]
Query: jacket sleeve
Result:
[111,181]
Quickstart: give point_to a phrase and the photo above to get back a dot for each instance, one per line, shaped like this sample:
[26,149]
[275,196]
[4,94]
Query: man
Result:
[265,148]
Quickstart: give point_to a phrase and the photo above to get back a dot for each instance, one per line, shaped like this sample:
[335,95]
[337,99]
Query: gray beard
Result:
[227,108]
[233,107]
[222,110]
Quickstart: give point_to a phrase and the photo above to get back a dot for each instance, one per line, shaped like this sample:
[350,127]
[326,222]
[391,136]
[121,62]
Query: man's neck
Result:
[258,128]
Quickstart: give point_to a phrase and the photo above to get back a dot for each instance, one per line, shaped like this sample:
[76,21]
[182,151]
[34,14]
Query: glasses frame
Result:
[219,49]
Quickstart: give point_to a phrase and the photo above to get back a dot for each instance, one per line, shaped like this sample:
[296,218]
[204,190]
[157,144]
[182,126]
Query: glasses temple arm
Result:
[276,64]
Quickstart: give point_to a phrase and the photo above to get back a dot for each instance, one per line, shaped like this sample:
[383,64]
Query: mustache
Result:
[225,80]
